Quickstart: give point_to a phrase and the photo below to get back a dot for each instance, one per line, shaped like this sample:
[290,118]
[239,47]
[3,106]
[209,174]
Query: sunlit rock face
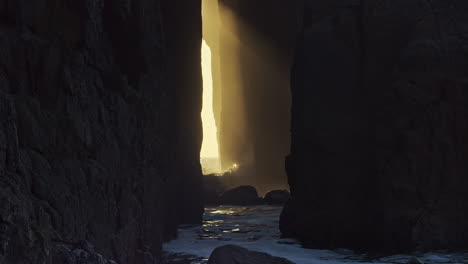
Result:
[378,157]
[91,122]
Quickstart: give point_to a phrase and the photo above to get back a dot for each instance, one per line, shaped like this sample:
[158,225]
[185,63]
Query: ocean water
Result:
[256,228]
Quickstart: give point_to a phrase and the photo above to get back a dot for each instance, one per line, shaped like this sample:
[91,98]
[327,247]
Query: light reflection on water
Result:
[226,212]
[257,229]
[222,223]
[241,211]
[215,223]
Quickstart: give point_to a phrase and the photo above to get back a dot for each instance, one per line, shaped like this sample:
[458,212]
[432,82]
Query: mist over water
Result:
[251,98]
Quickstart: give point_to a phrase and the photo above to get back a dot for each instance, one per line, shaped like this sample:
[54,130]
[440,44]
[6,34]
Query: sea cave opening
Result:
[246,60]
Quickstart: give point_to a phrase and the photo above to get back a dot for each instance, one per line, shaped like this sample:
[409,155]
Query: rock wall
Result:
[379,148]
[88,114]
[183,35]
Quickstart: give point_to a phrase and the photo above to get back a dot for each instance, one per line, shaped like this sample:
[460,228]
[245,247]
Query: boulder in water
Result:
[277,197]
[242,195]
[231,254]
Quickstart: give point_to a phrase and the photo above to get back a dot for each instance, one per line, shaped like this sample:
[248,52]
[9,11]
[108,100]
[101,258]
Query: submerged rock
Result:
[231,254]
[277,197]
[242,195]
[415,261]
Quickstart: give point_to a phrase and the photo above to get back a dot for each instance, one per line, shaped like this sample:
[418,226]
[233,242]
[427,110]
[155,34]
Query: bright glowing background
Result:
[209,153]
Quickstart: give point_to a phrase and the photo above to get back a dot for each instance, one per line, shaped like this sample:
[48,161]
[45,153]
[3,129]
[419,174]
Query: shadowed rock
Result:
[90,123]
[379,102]
[231,254]
[242,195]
[80,253]
[213,187]
[277,197]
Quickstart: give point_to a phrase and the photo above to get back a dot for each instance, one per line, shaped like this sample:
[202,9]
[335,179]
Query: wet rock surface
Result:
[182,258]
[231,254]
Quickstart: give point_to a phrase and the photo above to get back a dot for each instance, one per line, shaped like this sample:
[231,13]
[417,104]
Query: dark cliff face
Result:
[379,147]
[183,35]
[88,110]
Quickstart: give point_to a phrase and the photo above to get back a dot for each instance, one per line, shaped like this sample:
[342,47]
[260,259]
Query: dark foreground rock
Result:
[379,104]
[242,195]
[289,219]
[277,197]
[211,197]
[80,253]
[213,187]
[99,138]
[231,254]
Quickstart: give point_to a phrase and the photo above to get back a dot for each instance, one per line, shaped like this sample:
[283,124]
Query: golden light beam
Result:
[209,154]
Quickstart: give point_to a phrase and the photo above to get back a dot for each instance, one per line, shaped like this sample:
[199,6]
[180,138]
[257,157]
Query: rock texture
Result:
[79,253]
[379,148]
[87,120]
[231,254]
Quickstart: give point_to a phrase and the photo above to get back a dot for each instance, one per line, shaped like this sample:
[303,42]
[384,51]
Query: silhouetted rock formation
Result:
[213,187]
[183,33]
[242,195]
[231,254]
[379,146]
[88,113]
[289,219]
[277,197]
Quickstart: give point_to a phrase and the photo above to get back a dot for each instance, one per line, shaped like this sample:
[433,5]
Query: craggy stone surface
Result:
[79,253]
[87,121]
[379,146]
